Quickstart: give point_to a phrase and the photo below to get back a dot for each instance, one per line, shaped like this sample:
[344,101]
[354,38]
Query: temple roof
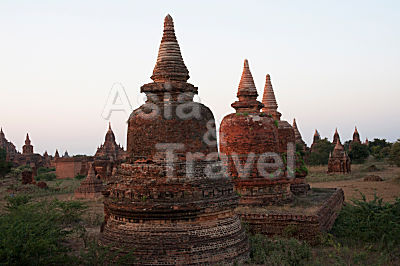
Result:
[169,65]
[269,99]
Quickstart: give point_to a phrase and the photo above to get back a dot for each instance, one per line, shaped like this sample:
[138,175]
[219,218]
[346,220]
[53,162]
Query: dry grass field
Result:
[353,184]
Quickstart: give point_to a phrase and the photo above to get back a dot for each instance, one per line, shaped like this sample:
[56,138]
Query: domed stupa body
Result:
[250,133]
[165,209]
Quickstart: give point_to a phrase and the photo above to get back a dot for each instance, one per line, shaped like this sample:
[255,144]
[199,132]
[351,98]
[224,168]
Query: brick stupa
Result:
[267,196]
[248,131]
[169,216]
[90,187]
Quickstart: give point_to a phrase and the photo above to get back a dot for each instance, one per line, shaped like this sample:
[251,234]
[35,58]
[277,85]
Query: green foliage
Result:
[358,153]
[320,152]
[46,177]
[5,167]
[42,170]
[35,233]
[16,172]
[301,166]
[394,156]
[379,148]
[276,123]
[32,233]
[277,251]
[372,222]
[79,177]
[299,149]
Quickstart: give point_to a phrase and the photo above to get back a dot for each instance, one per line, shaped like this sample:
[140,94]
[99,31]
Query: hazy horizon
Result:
[331,65]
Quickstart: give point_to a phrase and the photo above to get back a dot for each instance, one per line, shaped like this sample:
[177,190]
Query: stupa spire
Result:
[246,84]
[269,99]
[247,92]
[169,65]
[27,140]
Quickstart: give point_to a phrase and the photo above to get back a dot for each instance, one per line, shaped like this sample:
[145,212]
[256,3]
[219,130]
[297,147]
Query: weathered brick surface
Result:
[303,226]
[90,187]
[186,218]
[339,161]
[251,132]
[71,167]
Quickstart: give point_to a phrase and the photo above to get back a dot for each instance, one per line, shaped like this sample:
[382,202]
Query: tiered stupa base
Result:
[168,222]
[306,219]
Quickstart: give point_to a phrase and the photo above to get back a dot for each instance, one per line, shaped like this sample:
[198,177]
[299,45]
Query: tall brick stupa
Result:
[157,205]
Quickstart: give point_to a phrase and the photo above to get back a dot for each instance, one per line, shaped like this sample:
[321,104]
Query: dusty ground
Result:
[353,184]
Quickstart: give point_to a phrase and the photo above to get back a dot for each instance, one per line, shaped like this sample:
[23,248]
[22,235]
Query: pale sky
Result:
[332,63]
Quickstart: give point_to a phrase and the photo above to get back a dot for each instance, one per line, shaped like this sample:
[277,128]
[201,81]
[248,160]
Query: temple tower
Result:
[27,149]
[110,150]
[356,136]
[336,137]
[316,138]
[163,207]
[248,132]
[339,161]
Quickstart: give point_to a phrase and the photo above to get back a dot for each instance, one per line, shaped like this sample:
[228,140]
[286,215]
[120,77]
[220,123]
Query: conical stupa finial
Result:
[269,99]
[246,84]
[355,130]
[294,123]
[169,65]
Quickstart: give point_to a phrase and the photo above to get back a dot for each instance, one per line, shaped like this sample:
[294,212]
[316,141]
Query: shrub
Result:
[80,177]
[46,176]
[394,156]
[370,222]
[35,233]
[42,170]
[379,148]
[32,233]
[5,167]
[278,251]
[320,152]
[358,153]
